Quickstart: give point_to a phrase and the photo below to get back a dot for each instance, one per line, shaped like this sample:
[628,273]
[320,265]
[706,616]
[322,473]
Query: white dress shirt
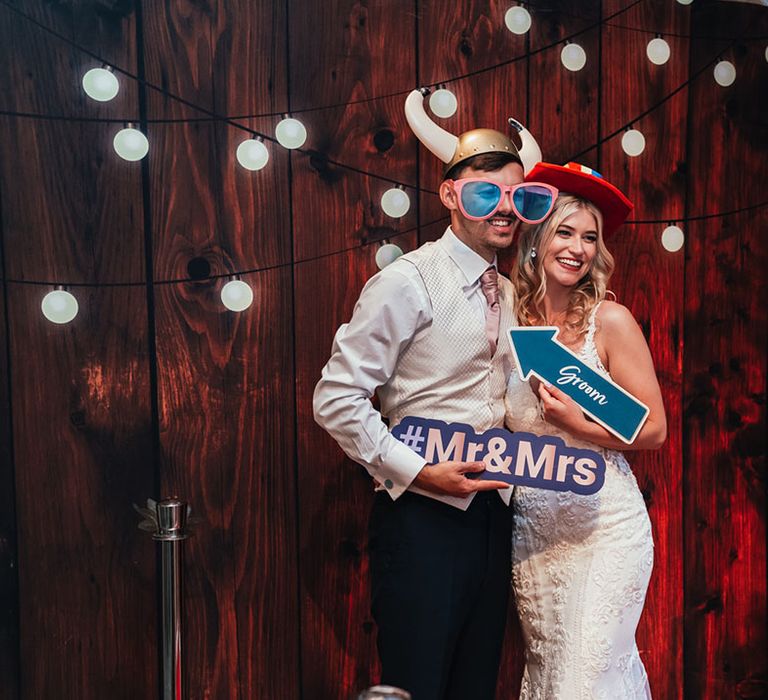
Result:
[392,309]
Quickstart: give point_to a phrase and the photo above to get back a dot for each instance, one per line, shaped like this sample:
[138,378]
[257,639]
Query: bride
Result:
[581,564]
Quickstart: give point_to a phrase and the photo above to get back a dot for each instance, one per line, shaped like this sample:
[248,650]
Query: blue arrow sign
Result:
[537,351]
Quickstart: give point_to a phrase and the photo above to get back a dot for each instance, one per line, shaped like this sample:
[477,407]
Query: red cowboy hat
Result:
[588,184]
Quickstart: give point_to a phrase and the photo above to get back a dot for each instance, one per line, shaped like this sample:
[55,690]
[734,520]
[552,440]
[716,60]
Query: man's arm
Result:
[393,307]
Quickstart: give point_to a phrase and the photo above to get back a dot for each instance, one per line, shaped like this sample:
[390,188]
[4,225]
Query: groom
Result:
[424,335]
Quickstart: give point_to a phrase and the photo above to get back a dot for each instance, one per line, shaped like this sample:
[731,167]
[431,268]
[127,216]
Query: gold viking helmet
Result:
[455,149]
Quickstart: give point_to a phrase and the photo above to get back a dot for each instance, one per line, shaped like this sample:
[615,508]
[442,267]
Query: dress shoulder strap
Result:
[592,325]
[589,349]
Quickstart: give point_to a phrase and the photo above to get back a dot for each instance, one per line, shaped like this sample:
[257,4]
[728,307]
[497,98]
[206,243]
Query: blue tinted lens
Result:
[533,202]
[480,198]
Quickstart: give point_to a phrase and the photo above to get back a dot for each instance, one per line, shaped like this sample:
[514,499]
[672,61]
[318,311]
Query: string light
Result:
[725,73]
[658,51]
[672,238]
[236,295]
[517,19]
[59,306]
[573,57]
[443,103]
[101,84]
[633,142]
[130,143]
[395,202]
[290,133]
[387,254]
[252,154]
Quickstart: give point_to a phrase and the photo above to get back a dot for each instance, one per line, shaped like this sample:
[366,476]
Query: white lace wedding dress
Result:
[581,567]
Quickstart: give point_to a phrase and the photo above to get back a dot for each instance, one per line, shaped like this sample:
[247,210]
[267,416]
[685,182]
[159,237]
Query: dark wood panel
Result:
[649,281]
[344,51]
[9,565]
[341,51]
[725,350]
[225,379]
[564,104]
[80,393]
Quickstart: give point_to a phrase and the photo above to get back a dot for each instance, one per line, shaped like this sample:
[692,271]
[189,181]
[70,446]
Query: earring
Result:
[533,253]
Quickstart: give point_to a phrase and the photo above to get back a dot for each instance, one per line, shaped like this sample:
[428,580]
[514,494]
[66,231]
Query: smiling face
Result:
[488,236]
[573,247]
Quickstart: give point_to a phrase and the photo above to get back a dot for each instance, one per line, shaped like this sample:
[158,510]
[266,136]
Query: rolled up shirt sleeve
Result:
[392,308]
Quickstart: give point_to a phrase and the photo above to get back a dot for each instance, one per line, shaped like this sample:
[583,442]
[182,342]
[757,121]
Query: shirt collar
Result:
[471,264]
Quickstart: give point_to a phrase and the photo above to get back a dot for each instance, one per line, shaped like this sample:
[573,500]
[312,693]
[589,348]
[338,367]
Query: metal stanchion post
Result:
[167,520]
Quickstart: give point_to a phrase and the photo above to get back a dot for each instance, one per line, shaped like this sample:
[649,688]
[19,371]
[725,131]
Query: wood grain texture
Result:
[346,51]
[9,558]
[563,105]
[649,281]
[341,51]
[80,393]
[725,371]
[225,378]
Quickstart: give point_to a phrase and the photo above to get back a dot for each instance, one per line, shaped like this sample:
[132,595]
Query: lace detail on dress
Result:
[581,566]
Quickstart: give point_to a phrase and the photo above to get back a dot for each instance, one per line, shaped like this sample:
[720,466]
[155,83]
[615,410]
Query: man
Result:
[425,335]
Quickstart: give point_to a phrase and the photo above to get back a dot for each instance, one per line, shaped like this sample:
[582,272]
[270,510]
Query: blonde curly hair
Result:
[531,283]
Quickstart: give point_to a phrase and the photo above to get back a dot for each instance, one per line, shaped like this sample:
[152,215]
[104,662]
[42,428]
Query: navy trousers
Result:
[440,582]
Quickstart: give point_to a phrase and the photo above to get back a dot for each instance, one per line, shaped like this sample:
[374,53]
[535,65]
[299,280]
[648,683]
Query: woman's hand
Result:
[561,410]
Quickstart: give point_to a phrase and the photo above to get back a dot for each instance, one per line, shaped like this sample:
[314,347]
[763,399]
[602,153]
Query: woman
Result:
[581,564]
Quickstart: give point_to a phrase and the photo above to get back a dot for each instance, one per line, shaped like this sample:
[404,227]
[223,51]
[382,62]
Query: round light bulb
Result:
[252,154]
[685,2]
[725,73]
[387,254]
[672,238]
[236,295]
[443,103]
[131,144]
[100,84]
[573,57]
[517,19]
[766,53]
[658,51]
[395,202]
[633,142]
[59,306]
[291,133]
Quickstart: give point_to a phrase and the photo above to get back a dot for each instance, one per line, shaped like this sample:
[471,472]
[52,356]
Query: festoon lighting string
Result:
[101,84]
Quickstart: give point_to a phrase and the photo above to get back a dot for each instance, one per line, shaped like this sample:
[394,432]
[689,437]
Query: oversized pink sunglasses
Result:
[480,198]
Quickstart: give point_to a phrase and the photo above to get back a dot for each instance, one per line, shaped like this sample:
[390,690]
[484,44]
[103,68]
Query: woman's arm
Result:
[629,360]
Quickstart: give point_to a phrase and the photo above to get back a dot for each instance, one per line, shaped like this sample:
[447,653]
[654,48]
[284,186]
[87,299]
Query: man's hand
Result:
[449,479]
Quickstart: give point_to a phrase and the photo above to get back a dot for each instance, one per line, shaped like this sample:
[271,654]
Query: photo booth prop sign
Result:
[537,351]
[519,458]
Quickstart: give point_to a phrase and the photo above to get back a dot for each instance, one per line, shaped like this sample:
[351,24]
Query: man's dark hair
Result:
[487,162]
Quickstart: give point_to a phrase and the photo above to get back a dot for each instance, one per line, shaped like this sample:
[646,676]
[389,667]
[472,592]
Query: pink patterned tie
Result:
[489,283]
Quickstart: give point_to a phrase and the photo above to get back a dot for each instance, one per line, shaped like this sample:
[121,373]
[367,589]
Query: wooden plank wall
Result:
[225,380]
[158,391]
[725,372]
[79,393]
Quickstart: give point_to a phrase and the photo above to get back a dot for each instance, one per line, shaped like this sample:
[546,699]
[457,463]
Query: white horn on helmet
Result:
[441,142]
[529,153]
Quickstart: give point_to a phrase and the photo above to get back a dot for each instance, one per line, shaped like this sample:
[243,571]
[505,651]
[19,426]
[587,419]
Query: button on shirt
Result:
[392,309]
